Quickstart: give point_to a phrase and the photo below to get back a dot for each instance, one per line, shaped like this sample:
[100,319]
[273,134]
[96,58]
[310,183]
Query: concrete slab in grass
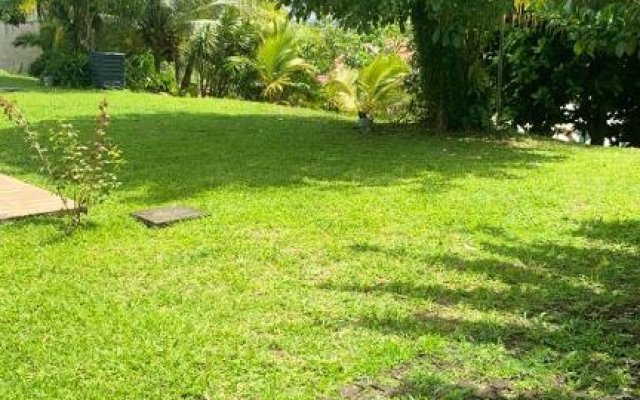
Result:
[165,216]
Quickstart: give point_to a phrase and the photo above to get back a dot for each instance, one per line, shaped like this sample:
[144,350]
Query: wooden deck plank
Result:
[19,200]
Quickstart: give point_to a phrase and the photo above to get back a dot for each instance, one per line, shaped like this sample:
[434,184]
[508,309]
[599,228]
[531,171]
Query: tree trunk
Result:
[157,63]
[82,19]
[599,128]
[441,82]
[422,37]
[178,69]
[188,73]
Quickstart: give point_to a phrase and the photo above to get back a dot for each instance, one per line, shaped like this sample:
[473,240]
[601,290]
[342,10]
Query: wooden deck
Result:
[19,200]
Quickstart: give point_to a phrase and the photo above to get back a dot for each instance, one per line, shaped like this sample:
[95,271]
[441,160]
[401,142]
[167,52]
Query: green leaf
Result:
[436,36]
[568,6]
[631,47]
[578,48]
[621,49]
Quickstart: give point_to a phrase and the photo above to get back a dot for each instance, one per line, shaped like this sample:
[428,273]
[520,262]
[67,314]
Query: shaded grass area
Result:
[585,335]
[16,82]
[495,268]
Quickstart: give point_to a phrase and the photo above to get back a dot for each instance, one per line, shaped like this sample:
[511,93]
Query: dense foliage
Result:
[450,38]
[576,65]
[12,11]
[211,45]
[324,41]
[533,63]
[66,69]
[142,74]
[557,61]
[202,43]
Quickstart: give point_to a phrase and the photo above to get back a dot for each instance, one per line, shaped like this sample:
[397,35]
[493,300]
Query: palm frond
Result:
[343,88]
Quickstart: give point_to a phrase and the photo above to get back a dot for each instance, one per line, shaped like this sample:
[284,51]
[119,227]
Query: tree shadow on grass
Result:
[620,232]
[177,156]
[582,305]
[9,83]
[426,386]
[402,383]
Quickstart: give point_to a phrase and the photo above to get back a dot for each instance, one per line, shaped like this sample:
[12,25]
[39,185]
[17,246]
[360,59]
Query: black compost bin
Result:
[107,70]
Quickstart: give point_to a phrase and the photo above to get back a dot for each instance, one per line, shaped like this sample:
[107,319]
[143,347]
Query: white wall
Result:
[15,59]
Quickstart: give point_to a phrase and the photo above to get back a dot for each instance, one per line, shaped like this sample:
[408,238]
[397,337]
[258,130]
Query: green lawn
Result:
[10,81]
[334,263]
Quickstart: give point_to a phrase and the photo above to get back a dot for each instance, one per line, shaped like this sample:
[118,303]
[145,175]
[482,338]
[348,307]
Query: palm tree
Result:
[80,20]
[197,19]
[159,31]
[376,87]
[199,56]
[277,64]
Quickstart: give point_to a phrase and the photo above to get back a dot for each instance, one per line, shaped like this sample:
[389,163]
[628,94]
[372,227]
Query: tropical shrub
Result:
[159,31]
[281,73]
[141,75]
[374,89]
[12,12]
[209,49]
[140,70]
[37,67]
[82,23]
[450,39]
[64,68]
[165,80]
[538,70]
[84,172]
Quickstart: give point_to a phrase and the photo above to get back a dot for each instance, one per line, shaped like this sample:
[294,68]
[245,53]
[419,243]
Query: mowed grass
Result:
[333,264]
[8,81]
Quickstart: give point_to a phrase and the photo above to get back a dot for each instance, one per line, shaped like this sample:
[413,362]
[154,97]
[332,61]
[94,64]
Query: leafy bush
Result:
[12,12]
[539,70]
[325,42]
[159,31]
[69,69]
[140,71]
[142,76]
[84,172]
[37,67]
[165,80]
[63,68]
[211,44]
[587,58]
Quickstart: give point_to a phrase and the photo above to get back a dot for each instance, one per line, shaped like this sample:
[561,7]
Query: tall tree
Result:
[159,31]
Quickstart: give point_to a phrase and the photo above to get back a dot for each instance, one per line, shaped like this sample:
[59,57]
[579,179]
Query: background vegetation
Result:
[535,63]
